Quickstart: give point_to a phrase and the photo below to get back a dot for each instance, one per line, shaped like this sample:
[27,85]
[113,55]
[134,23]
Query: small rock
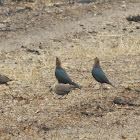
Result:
[119,101]
[136,113]
[23,47]
[33,51]
[118,123]
[99,115]
[92,32]
[108,24]
[40,47]
[124,29]
[81,24]
[45,128]
[87,114]
[131,31]
[123,137]
[137,90]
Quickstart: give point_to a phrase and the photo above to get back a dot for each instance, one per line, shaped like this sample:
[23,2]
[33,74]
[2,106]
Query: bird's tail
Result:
[111,84]
[77,86]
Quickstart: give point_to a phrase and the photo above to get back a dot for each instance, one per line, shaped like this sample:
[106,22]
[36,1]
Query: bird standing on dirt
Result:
[62,76]
[98,73]
[62,89]
[4,79]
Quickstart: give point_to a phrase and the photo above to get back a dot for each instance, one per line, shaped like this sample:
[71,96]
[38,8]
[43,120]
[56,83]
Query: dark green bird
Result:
[86,1]
[98,73]
[62,76]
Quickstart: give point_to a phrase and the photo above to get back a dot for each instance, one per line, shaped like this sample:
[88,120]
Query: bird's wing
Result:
[62,76]
[64,87]
[99,75]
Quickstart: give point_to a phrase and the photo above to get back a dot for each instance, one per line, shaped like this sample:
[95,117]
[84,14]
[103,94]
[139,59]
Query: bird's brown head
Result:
[96,62]
[58,62]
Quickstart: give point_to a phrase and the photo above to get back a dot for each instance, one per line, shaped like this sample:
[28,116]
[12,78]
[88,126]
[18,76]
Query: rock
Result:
[45,128]
[119,101]
[87,114]
[33,51]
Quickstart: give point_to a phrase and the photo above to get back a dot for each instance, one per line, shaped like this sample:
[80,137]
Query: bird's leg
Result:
[8,86]
[101,87]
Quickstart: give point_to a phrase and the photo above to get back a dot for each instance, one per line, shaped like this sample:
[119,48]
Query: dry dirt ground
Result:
[32,34]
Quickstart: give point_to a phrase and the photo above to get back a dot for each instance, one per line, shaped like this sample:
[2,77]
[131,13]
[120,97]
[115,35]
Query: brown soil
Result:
[33,33]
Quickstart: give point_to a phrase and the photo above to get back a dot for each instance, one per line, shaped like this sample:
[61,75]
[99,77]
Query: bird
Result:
[86,1]
[62,76]
[98,73]
[62,89]
[4,79]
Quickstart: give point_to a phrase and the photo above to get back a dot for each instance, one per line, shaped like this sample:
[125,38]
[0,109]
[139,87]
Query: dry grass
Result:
[30,111]
[36,106]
